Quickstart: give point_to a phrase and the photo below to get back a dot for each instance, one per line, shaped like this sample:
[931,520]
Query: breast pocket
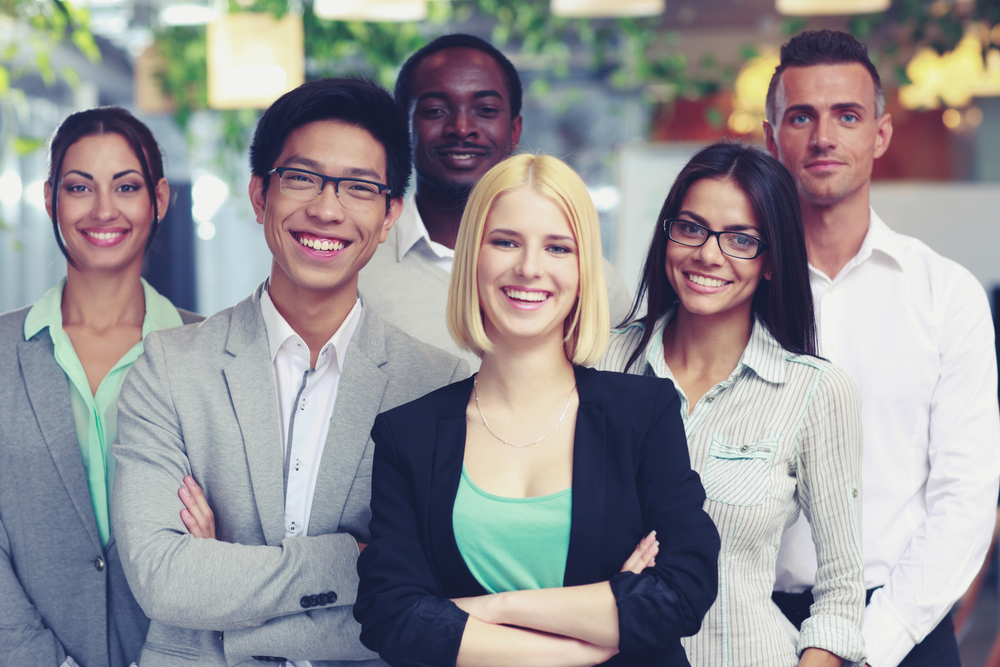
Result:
[739,473]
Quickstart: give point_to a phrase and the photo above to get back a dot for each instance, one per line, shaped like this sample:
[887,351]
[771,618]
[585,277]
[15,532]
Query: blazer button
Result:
[99,564]
[306,601]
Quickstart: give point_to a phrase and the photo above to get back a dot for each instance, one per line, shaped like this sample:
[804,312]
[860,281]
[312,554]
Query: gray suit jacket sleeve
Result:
[198,583]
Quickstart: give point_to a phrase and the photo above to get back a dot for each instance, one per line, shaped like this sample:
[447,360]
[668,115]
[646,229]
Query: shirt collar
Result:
[763,354]
[881,239]
[47,312]
[279,331]
[411,230]
[878,239]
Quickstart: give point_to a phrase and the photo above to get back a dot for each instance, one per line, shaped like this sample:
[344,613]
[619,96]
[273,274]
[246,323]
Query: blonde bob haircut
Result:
[587,325]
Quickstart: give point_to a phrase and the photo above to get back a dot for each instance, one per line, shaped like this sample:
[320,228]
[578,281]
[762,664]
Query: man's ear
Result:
[883,134]
[515,133]
[771,140]
[391,216]
[257,198]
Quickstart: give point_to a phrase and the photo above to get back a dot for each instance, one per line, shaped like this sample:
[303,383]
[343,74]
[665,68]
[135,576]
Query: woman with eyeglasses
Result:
[771,428]
[540,513]
[63,595]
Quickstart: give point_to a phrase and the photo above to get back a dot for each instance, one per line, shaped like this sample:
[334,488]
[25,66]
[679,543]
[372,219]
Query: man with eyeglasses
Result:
[244,459]
[914,331]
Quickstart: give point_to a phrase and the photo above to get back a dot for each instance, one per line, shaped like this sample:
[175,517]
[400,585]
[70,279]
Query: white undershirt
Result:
[413,237]
[306,398]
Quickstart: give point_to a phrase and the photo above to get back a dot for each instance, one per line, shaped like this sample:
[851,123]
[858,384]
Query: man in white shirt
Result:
[244,459]
[463,100]
[914,331]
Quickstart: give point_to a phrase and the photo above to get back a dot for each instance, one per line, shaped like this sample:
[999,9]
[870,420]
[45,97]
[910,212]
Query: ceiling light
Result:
[10,188]
[207,194]
[371,10]
[598,8]
[750,94]
[954,78]
[253,59]
[187,15]
[830,7]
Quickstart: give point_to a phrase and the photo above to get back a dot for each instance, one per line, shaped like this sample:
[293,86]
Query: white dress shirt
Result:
[414,237]
[306,397]
[914,331]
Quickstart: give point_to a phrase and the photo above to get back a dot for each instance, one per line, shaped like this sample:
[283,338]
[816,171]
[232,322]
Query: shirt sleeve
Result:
[948,548]
[829,491]
[669,600]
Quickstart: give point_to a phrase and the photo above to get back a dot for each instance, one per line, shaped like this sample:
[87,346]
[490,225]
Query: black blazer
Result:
[631,474]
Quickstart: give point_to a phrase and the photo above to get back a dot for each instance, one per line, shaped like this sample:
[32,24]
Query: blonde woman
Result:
[541,512]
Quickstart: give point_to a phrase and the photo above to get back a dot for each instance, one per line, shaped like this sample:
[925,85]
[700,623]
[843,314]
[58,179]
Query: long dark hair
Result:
[784,303]
[97,121]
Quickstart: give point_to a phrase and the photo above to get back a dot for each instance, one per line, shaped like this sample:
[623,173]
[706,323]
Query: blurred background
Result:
[624,90]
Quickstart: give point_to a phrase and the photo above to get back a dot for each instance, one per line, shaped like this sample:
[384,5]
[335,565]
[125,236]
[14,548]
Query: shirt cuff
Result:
[887,637]
[836,635]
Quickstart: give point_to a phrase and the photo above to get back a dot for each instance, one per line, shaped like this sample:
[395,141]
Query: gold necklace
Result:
[475,390]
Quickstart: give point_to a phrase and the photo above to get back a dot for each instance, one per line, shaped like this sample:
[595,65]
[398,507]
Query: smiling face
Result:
[707,281]
[528,271]
[827,133]
[104,210]
[461,124]
[318,245]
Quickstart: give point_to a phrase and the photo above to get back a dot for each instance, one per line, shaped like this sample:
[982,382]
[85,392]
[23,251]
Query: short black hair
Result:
[460,41]
[353,101]
[823,47]
[98,121]
[784,303]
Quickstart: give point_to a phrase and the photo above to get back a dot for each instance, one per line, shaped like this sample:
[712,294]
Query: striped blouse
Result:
[783,432]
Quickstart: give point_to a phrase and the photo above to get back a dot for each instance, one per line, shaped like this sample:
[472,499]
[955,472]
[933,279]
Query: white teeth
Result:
[461,156]
[521,295]
[322,245]
[104,236]
[706,282]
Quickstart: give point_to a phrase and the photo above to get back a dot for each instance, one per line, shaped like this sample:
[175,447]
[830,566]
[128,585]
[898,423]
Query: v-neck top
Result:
[95,415]
[512,544]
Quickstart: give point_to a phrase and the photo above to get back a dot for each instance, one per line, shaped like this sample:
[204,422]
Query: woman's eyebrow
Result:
[727,228]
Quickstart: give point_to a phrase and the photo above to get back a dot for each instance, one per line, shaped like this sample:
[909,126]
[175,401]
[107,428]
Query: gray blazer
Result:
[60,592]
[201,401]
[412,293]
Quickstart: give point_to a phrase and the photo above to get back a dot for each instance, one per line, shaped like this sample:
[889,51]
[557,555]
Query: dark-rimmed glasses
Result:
[693,235]
[306,185]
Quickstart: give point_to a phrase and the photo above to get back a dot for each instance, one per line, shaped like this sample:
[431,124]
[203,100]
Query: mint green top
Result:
[512,544]
[96,416]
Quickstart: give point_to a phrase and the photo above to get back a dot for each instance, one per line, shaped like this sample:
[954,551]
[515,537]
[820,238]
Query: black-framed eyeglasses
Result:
[306,185]
[693,235]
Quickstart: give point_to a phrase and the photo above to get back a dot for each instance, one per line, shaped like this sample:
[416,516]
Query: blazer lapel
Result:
[583,563]
[359,400]
[47,390]
[251,387]
[449,455]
